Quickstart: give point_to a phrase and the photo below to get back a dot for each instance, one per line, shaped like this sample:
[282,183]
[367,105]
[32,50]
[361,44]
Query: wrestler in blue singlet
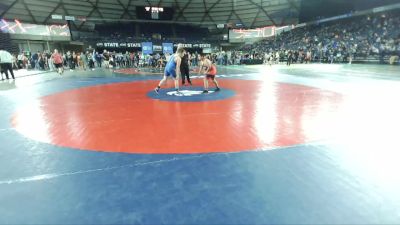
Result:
[171,67]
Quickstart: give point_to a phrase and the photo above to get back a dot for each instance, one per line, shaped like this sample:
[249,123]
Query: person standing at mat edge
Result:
[209,70]
[6,61]
[173,69]
[58,61]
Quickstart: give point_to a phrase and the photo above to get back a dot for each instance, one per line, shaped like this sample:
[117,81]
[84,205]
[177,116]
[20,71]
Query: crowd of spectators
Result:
[91,59]
[366,38]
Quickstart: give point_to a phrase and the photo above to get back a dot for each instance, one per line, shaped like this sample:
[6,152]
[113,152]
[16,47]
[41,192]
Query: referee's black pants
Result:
[7,67]
[185,73]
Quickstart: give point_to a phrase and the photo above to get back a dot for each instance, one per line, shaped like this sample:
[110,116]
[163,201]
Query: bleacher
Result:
[371,38]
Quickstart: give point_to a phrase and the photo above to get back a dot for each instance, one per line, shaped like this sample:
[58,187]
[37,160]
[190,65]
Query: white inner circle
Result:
[186,93]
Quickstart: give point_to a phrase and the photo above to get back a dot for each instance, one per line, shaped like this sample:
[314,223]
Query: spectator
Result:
[58,61]
[6,61]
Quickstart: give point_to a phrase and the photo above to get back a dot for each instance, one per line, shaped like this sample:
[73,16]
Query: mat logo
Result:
[186,93]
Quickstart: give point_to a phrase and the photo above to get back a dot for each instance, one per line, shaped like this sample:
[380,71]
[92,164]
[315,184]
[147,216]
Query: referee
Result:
[185,68]
[6,61]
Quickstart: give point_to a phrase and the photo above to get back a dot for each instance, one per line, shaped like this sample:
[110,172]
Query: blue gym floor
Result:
[344,170]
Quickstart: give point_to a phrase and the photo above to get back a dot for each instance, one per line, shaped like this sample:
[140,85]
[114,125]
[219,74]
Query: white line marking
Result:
[49,176]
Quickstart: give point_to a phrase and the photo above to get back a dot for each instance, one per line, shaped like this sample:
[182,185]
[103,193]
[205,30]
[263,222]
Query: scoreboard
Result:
[154,13]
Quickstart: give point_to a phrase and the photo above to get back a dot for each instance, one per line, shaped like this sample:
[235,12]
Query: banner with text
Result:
[147,48]
[243,35]
[168,48]
[188,45]
[118,45]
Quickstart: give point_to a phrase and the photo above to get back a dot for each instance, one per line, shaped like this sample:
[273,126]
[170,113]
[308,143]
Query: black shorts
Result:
[58,65]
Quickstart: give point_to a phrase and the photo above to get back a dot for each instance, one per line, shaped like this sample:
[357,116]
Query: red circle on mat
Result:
[119,117]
